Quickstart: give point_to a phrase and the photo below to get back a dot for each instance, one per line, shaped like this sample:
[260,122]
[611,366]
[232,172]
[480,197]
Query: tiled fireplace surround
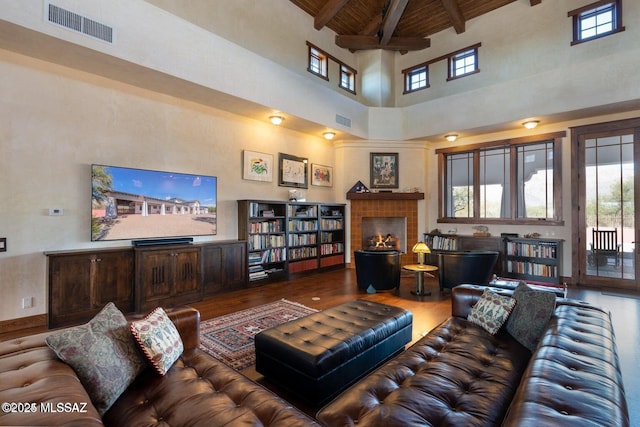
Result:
[374,207]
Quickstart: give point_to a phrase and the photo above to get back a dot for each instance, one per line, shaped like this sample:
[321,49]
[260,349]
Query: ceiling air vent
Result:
[73,21]
[342,120]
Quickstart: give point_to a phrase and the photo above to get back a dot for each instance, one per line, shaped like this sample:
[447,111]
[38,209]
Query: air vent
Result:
[73,21]
[342,120]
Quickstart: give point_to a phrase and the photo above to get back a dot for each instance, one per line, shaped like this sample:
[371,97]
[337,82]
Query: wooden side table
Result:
[420,269]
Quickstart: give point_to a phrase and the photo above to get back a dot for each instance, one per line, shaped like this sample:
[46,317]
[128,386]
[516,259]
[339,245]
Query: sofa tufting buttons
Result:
[27,384]
[564,412]
[568,387]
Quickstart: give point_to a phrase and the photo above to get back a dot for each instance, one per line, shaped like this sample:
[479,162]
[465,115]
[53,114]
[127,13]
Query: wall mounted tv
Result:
[137,204]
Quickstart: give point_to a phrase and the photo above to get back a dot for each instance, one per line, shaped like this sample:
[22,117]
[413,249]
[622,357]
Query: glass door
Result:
[607,252]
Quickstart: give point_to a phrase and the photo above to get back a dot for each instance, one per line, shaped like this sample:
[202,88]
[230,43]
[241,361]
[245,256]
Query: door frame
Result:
[578,235]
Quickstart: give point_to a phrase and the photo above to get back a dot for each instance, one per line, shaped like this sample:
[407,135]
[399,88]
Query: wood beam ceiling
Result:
[455,15]
[328,11]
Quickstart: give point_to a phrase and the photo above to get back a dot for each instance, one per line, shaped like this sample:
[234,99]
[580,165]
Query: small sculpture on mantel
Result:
[481,231]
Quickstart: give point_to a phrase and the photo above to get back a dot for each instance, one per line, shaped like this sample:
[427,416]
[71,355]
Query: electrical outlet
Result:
[56,211]
[27,302]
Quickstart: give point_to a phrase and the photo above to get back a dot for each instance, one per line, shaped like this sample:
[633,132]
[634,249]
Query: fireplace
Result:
[384,233]
[385,205]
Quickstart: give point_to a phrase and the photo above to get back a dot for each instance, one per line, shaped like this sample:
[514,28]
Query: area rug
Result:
[229,338]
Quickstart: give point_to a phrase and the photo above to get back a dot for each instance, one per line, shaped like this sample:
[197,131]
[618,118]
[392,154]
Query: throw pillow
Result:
[158,339]
[102,353]
[491,311]
[531,314]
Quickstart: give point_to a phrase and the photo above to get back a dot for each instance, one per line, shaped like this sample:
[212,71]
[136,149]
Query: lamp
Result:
[276,120]
[329,135]
[451,137]
[531,124]
[421,249]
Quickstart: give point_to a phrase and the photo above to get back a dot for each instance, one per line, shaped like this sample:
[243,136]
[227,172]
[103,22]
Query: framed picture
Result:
[384,170]
[294,171]
[257,166]
[321,175]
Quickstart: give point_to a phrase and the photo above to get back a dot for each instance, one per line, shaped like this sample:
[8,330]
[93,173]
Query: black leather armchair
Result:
[464,267]
[381,269]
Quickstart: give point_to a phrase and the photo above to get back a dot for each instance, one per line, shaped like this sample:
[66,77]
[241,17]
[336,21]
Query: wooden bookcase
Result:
[290,237]
[536,260]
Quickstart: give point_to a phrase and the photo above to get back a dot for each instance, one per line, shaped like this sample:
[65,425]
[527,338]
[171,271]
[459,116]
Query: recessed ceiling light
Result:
[451,137]
[276,120]
[531,124]
[329,135]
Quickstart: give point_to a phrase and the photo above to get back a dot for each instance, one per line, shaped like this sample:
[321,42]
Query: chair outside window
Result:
[604,246]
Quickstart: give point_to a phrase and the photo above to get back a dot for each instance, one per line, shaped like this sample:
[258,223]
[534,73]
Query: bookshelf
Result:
[537,260]
[290,237]
[262,224]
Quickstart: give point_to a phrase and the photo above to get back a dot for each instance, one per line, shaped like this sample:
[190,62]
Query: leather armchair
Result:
[465,267]
[381,269]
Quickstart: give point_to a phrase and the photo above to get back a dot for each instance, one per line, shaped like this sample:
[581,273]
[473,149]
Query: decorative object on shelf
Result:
[421,249]
[297,196]
[321,175]
[532,235]
[358,187]
[481,231]
[257,166]
[293,171]
[384,170]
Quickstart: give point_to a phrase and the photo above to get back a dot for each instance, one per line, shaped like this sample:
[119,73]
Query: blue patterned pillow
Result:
[491,311]
[103,354]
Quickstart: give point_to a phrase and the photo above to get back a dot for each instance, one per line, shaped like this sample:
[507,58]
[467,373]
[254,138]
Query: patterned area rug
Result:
[229,338]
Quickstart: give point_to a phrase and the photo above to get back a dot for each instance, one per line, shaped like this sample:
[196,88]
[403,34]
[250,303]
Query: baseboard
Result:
[12,325]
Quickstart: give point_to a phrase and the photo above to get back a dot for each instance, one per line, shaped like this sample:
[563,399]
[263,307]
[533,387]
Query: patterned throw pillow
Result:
[491,311]
[102,353]
[159,339]
[530,315]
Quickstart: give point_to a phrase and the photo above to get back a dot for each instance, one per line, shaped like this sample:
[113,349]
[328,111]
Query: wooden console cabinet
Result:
[140,279]
[81,283]
[166,276]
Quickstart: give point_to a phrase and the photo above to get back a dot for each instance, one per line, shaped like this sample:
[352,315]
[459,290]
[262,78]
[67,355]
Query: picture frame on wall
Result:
[293,171]
[257,166]
[384,170]
[321,175]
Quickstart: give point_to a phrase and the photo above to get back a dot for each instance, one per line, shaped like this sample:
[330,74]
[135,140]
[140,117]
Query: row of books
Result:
[532,268]
[331,224]
[330,237]
[265,241]
[299,253]
[265,227]
[535,250]
[302,239]
[303,225]
[443,243]
[331,248]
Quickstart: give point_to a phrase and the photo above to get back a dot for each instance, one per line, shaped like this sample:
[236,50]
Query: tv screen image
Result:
[128,203]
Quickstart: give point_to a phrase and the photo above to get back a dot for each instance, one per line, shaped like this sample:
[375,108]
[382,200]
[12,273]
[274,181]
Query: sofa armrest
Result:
[187,321]
[464,297]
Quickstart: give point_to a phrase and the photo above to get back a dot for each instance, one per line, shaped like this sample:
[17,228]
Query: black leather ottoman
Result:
[318,356]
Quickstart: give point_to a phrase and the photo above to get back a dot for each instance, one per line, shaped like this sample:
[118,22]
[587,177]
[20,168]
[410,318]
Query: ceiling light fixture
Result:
[531,124]
[329,135]
[451,137]
[276,120]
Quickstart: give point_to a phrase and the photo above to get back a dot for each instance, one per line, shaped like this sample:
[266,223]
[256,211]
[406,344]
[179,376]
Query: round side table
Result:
[420,269]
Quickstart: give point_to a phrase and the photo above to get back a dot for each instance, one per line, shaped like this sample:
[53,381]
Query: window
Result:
[463,63]
[596,20]
[512,181]
[347,78]
[318,62]
[416,78]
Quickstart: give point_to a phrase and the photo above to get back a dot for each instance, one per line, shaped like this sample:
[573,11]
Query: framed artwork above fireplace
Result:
[384,170]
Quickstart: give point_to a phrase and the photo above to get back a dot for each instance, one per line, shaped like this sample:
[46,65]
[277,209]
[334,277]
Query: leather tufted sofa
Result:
[197,390]
[459,375]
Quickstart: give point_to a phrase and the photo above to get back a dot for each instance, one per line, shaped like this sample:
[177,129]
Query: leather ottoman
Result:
[318,356]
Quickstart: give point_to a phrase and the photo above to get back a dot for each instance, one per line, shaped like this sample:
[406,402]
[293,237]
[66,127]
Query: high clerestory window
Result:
[596,20]
[416,78]
[463,63]
[513,181]
[347,78]
[318,62]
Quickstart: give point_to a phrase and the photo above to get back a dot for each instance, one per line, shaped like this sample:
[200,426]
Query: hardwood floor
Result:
[331,288]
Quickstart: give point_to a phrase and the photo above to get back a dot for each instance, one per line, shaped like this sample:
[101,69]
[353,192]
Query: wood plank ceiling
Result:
[400,25]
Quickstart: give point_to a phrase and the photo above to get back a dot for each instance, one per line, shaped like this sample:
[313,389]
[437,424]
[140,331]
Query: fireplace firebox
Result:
[384,233]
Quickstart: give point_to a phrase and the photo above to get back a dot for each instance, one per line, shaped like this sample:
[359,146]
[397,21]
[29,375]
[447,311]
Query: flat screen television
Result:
[135,204]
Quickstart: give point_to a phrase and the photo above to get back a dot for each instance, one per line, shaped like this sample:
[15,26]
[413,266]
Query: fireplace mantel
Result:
[385,196]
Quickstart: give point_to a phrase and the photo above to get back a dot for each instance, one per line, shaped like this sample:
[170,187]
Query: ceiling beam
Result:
[455,14]
[328,11]
[360,42]
[391,19]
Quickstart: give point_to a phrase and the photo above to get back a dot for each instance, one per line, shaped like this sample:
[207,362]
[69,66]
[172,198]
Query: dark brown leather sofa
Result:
[198,390]
[459,375]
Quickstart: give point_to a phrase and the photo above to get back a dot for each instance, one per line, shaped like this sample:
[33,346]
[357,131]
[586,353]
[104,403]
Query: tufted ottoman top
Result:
[317,343]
